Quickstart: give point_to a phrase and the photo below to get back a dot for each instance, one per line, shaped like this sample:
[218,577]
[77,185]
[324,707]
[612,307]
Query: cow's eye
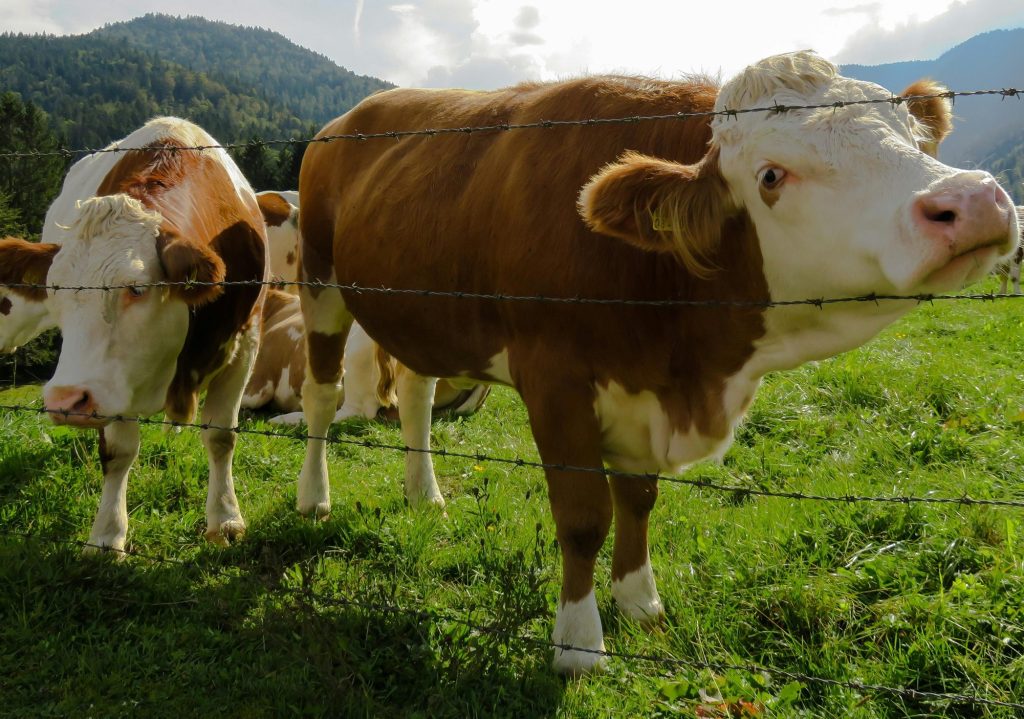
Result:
[771,177]
[136,292]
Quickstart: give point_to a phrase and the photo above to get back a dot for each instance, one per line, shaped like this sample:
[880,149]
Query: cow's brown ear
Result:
[26,263]
[934,113]
[185,261]
[276,210]
[661,206]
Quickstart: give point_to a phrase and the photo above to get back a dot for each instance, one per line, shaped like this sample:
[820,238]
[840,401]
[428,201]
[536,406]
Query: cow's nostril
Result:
[84,403]
[944,216]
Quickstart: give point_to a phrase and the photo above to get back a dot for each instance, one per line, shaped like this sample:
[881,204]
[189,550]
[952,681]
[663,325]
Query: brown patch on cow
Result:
[290,258]
[104,452]
[214,327]
[324,353]
[276,210]
[5,306]
[769,197]
[147,174]
[23,262]
[633,498]
[934,113]
[185,260]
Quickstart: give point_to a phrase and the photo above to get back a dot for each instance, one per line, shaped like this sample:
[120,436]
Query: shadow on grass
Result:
[243,631]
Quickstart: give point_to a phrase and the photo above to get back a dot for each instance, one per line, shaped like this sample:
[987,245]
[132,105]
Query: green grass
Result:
[929,597]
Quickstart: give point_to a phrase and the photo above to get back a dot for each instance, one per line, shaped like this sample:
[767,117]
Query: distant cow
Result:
[1010,269]
[370,376]
[281,213]
[127,219]
[738,209]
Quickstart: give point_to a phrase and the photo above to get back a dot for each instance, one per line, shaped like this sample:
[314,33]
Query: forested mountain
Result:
[308,85]
[988,130]
[237,83]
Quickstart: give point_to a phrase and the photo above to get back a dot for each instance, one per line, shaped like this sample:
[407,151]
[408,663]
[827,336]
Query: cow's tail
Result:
[387,377]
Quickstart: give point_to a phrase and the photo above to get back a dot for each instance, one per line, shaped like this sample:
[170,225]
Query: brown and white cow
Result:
[281,214]
[747,207]
[132,218]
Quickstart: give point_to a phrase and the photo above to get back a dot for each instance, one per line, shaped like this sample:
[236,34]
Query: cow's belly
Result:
[638,435]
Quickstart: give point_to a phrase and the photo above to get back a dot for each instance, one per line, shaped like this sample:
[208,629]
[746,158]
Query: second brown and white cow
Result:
[126,219]
[727,213]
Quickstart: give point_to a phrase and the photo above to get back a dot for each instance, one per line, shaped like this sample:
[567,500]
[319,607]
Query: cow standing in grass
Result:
[127,219]
[747,207]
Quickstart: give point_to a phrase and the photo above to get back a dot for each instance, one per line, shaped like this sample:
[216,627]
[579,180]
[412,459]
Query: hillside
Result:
[992,60]
[308,85]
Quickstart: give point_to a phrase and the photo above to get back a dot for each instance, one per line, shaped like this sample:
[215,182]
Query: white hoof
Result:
[637,597]
[292,418]
[317,511]
[578,638]
[226,533]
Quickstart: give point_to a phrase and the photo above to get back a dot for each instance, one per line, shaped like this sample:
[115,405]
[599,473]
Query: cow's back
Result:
[495,212]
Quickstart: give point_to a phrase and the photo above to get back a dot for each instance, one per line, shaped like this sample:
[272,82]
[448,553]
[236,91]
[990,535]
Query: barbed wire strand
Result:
[509,126]
[435,615]
[819,302]
[479,457]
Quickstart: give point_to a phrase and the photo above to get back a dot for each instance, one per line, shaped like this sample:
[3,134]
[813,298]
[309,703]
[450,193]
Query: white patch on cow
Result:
[283,395]
[578,625]
[498,369]
[637,435]
[295,334]
[256,399]
[637,595]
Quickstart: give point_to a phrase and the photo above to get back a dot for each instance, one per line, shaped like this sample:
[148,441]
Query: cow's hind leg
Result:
[327,324]
[119,446]
[224,523]
[568,434]
[415,399]
[632,578]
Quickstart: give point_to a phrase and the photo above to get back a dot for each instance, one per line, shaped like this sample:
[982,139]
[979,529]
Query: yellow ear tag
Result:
[658,222]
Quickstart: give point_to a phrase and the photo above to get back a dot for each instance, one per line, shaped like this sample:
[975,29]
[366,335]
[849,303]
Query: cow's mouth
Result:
[79,419]
[966,267]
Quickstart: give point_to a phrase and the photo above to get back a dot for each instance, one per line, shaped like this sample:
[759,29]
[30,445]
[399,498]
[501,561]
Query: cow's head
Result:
[846,200]
[120,346]
[23,309]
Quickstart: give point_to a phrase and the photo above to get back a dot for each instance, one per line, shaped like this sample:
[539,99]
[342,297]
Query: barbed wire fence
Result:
[438,616]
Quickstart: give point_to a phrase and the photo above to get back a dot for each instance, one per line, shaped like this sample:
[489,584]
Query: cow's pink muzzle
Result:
[74,406]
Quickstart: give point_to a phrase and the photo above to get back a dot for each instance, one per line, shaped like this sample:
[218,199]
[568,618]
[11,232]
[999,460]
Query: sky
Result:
[482,44]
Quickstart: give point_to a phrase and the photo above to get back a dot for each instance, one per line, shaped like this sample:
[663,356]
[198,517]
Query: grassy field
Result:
[378,611]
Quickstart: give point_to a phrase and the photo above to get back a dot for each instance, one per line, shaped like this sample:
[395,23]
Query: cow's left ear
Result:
[275,209]
[661,206]
[934,113]
[185,261]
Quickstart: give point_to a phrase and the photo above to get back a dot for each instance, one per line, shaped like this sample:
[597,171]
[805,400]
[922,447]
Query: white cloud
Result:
[492,43]
[916,38]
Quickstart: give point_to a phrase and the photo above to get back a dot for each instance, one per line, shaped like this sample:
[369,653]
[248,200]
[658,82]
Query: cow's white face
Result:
[843,201]
[120,347]
[21,319]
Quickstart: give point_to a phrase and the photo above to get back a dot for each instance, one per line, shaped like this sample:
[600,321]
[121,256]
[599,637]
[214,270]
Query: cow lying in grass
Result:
[126,220]
[744,207]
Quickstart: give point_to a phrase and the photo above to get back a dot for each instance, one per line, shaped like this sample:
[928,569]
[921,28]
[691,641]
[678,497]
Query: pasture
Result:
[380,611]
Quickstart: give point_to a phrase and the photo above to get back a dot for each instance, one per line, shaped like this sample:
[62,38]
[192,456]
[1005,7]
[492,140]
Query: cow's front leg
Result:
[632,577]
[327,324]
[415,400]
[224,523]
[119,446]
[567,433]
